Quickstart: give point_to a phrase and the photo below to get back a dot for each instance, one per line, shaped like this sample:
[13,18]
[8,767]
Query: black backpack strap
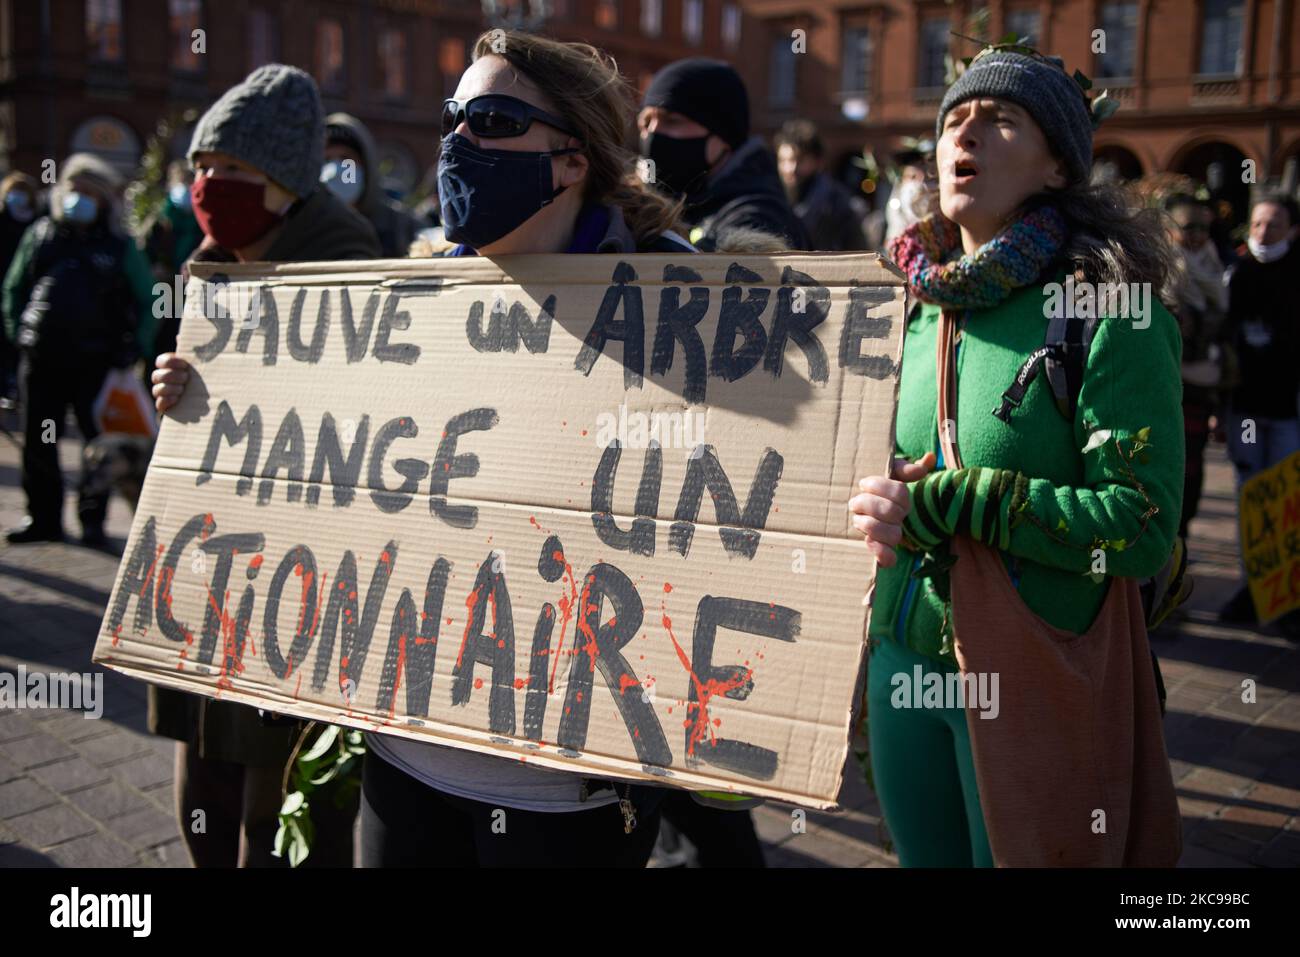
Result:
[1063,357]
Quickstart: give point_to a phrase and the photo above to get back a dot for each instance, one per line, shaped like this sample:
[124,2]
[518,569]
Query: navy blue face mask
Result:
[487,194]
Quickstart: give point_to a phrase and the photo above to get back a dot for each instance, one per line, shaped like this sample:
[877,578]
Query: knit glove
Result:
[970,501]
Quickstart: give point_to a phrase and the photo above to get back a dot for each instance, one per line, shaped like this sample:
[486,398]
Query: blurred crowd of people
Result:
[268,178]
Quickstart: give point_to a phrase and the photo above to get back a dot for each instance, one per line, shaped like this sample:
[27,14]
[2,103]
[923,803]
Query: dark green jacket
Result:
[1075,498]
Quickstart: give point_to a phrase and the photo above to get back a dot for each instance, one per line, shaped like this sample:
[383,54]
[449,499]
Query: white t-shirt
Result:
[503,781]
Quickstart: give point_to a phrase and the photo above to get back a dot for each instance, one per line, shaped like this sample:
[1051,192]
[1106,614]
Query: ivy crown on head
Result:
[1100,107]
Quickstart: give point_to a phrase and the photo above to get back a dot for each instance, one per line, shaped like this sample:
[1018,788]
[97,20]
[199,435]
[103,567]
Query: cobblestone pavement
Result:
[75,792]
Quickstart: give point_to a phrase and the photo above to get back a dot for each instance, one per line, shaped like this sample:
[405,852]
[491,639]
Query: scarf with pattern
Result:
[1013,258]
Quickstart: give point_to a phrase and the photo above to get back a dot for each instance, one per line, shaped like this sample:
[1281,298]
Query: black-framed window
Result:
[933,47]
[1222,51]
[730,26]
[390,58]
[693,21]
[782,75]
[331,65]
[184,17]
[104,30]
[652,17]
[1024,24]
[263,38]
[607,14]
[855,60]
[1119,24]
[452,61]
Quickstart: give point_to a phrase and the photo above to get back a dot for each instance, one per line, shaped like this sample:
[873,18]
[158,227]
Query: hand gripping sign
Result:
[586,512]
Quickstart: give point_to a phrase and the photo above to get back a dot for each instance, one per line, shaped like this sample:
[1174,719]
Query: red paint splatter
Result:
[471,602]
[626,681]
[478,683]
[704,692]
[255,561]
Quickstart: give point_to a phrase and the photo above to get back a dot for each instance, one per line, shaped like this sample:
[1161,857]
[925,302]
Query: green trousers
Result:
[921,762]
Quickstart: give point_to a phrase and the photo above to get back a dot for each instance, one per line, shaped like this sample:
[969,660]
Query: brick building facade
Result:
[1205,85]
[99,74]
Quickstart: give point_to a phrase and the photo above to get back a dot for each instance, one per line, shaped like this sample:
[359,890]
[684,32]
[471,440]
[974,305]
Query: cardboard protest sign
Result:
[1270,538]
[586,512]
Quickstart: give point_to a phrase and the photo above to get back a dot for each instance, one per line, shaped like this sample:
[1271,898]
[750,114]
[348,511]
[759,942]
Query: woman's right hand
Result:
[169,378]
[879,510]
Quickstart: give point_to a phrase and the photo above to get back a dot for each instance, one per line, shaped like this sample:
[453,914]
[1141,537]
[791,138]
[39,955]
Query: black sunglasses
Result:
[495,115]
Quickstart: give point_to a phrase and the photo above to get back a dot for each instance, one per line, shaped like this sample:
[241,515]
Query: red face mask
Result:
[231,211]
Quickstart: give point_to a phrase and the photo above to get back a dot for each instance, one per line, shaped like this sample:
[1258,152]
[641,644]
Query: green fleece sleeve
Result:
[140,277]
[1129,430]
[17,284]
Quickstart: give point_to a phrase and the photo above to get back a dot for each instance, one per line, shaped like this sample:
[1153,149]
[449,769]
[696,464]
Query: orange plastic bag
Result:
[123,405]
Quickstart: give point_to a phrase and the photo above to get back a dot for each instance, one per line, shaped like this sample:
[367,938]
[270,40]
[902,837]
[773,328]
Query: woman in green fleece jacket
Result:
[1017,216]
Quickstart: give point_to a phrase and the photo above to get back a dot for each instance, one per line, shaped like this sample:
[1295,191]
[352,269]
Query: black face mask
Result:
[487,194]
[680,164]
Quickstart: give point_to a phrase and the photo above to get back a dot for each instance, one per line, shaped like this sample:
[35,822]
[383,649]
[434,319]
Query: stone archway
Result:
[1113,163]
[111,140]
[1220,166]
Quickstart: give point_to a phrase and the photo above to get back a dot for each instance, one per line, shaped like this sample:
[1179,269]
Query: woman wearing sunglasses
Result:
[532,162]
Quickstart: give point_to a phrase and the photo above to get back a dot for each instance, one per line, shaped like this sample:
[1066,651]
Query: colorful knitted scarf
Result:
[1013,258]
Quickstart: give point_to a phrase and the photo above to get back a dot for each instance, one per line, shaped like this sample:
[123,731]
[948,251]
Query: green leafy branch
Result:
[333,757]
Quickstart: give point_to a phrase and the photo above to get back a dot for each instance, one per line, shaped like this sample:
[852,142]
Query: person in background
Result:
[17,210]
[915,192]
[77,301]
[169,238]
[828,211]
[1263,331]
[694,127]
[257,155]
[351,173]
[1202,304]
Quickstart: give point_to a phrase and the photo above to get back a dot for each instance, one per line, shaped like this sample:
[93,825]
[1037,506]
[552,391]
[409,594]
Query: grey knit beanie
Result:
[1051,96]
[274,121]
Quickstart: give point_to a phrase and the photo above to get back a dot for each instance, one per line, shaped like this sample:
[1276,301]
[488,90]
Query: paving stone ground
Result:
[75,792]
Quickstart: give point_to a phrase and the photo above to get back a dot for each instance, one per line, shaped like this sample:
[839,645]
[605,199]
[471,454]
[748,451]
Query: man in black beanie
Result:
[694,126]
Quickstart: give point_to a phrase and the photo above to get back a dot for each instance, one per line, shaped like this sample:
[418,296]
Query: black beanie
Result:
[710,92]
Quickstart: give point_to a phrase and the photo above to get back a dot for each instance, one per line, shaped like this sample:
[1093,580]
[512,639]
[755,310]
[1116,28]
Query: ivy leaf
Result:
[292,804]
[298,846]
[1097,440]
[1143,434]
[322,744]
[1118,544]
[1082,80]
[1061,526]
[280,836]
[1103,107]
